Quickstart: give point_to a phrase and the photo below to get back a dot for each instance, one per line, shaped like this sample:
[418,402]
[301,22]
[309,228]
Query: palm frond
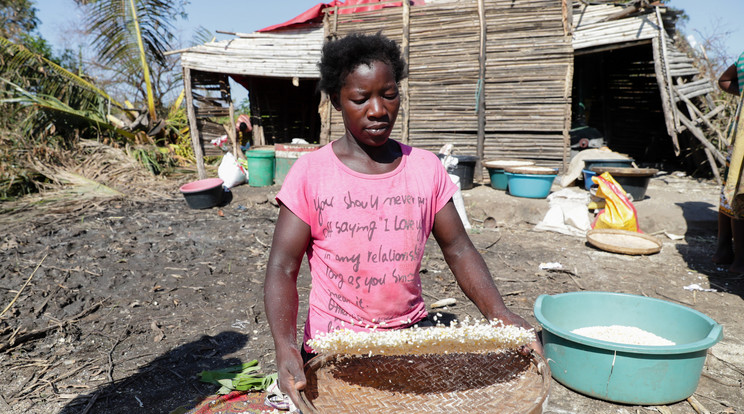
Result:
[111,23]
[40,74]
[43,102]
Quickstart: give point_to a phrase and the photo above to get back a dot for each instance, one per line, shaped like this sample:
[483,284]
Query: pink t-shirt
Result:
[368,233]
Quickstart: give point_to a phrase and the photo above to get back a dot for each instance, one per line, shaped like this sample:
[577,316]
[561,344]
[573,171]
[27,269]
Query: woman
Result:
[730,250]
[362,208]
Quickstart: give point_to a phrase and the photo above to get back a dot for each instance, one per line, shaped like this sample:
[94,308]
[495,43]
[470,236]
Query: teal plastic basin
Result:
[498,178]
[629,374]
[497,173]
[529,185]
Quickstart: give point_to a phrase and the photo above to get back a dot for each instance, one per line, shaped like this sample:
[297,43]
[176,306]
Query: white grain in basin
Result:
[629,335]
[502,164]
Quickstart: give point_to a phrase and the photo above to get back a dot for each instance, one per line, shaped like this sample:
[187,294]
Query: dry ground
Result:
[123,302]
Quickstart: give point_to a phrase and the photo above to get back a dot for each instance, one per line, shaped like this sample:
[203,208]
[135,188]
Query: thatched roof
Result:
[283,54]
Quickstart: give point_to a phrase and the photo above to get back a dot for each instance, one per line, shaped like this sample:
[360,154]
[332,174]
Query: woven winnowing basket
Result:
[501,383]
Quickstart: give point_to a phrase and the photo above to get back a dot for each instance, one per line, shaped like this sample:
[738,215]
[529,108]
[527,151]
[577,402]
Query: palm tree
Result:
[133,35]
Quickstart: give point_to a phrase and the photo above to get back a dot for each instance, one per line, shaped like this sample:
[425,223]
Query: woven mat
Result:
[234,402]
[455,383]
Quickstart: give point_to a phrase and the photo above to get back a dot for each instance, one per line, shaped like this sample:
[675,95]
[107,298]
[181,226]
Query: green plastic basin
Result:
[629,374]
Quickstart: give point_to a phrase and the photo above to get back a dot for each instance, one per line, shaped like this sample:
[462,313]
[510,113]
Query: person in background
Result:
[245,131]
[362,208]
[730,250]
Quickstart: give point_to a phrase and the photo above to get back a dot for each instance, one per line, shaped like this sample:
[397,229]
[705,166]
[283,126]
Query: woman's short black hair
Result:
[341,56]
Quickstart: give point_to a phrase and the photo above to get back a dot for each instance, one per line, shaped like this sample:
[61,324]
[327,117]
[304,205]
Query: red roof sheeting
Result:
[315,13]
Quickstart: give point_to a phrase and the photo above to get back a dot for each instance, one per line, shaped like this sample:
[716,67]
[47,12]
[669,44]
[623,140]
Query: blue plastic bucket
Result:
[530,182]
[588,178]
[628,374]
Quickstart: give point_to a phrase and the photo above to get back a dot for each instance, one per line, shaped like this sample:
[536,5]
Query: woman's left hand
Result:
[511,318]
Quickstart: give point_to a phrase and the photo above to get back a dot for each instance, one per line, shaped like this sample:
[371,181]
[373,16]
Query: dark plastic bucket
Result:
[622,163]
[633,180]
[203,193]
[464,169]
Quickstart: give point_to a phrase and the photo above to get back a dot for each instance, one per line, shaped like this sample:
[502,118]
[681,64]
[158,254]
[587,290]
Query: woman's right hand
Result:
[291,374]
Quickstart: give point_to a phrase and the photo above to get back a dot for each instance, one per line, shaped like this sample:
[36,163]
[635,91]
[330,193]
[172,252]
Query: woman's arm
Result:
[470,269]
[729,81]
[291,237]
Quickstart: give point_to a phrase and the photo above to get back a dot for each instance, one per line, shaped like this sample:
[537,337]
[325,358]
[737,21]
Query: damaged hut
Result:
[496,78]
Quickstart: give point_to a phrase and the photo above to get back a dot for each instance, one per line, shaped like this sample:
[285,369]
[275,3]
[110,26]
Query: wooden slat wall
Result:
[528,66]
[387,20]
[528,81]
[444,47]
[211,98]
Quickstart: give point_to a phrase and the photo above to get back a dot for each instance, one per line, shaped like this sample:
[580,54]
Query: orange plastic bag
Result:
[619,212]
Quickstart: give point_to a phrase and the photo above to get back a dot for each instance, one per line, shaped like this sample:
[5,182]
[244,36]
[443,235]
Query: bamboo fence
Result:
[494,82]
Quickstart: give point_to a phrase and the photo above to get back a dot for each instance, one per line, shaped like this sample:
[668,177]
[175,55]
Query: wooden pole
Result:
[665,61]
[193,127]
[567,122]
[697,116]
[666,100]
[405,46]
[713,167]
[324,107]
[231,128]
[328,108]
[481,91]
[567,21]
[697,133]
[691,110]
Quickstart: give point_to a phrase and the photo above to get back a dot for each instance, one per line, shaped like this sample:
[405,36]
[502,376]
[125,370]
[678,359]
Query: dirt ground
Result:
[120,306]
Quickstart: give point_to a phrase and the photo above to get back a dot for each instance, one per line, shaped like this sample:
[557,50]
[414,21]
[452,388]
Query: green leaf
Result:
[226,382]
[241,377]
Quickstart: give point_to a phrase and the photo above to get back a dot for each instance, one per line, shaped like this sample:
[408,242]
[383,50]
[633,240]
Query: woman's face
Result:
[369,103]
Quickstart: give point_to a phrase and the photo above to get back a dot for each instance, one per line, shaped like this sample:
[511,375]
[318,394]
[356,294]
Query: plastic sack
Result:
[619,212]
[459,202]
[220,142]
[231,171]
[567,213]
